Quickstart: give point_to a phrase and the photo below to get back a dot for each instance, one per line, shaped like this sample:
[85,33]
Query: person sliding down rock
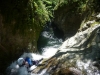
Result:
[28,62]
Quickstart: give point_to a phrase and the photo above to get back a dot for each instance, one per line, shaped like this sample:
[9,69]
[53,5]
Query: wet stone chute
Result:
[73,56]
[78,57]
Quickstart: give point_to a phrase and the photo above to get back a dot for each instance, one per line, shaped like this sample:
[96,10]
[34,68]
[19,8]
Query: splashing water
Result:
[52,43]
[87,67]
[14,68]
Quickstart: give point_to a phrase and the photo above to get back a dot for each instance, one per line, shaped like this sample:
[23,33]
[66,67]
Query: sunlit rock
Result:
[76,55]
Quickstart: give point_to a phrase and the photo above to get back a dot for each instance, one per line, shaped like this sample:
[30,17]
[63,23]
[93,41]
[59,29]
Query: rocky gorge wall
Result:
[68,17]
[12,44]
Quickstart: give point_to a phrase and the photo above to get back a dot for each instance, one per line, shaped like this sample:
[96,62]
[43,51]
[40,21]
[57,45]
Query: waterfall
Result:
[48,44]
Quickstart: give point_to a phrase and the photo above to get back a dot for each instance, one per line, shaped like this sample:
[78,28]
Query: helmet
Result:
[20,61]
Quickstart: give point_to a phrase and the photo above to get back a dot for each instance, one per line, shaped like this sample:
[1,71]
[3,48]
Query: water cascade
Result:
[48,45]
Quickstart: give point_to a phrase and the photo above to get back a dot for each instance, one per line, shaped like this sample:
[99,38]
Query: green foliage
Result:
[22,15]
[41,12]
[50,5]
[81,3]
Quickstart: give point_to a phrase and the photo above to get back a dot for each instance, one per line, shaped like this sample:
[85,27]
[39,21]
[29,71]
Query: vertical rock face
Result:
[12,45]
[68,19]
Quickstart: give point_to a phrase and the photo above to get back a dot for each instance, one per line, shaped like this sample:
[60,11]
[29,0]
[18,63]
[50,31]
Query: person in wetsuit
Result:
[28,62]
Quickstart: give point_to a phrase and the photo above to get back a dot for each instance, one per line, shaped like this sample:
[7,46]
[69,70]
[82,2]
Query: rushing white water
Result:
[48,52]
[50,48]
[14,68]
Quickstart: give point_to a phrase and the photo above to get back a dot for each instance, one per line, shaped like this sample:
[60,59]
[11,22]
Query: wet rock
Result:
[75,55]
[98,17]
